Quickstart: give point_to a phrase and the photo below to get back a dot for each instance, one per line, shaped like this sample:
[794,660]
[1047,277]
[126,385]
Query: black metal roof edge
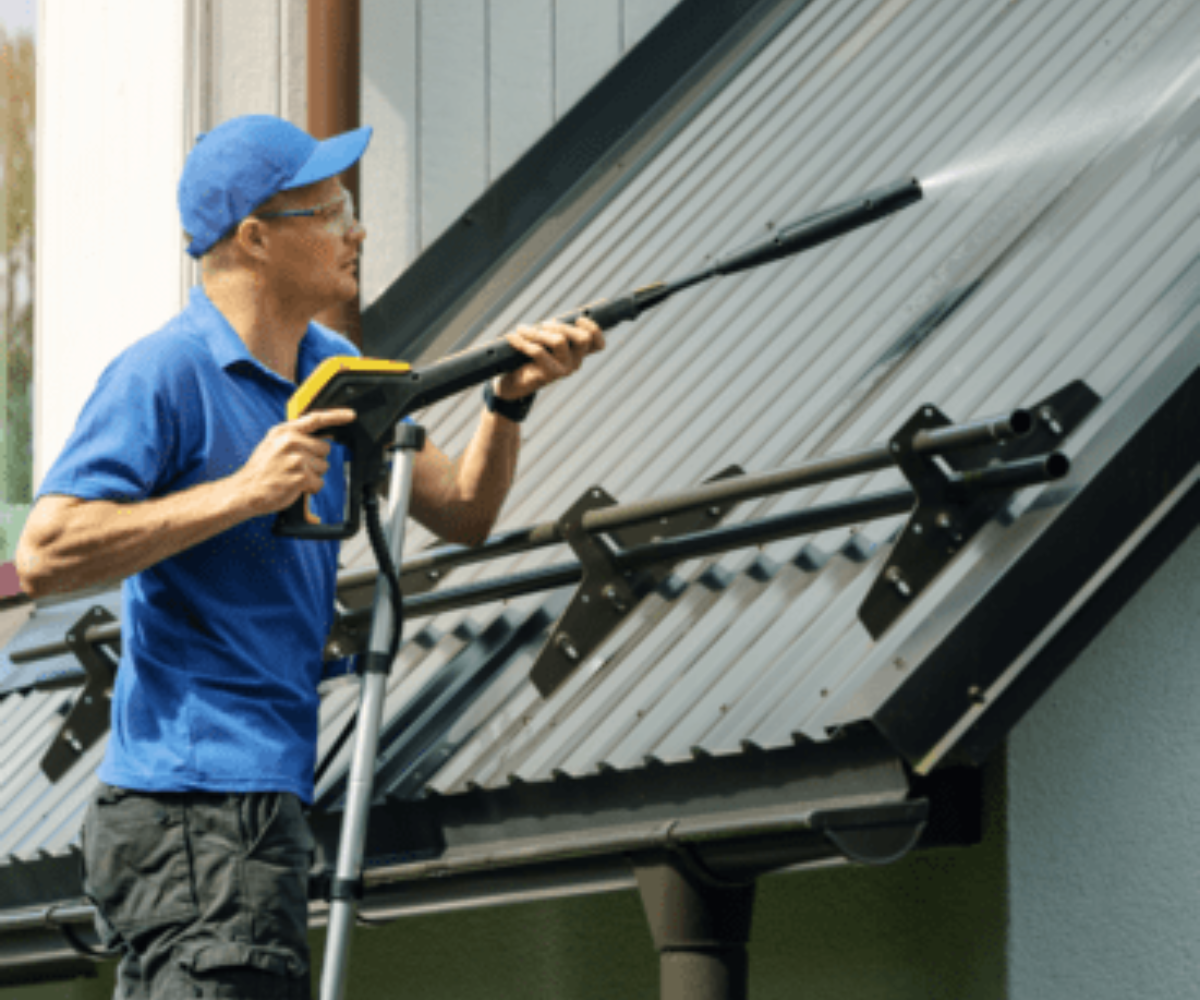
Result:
[36,944]
[744,815]
[927,716]
[410,317]
[1066,646]
[49,879]
[703,786]
[13,601]
[875,823]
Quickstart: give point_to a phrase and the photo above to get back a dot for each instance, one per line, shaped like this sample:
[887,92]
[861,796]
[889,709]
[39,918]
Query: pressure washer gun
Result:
[382,394]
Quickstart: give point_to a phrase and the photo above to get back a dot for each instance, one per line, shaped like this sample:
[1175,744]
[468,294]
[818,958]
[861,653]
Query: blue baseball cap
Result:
[242,162]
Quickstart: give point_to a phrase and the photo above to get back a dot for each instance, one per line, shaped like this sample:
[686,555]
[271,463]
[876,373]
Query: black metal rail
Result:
[437,562]
[815,473]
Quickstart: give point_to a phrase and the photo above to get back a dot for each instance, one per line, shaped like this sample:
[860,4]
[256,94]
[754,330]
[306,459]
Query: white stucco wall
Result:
[124,88]
[110,148]
[1104,807]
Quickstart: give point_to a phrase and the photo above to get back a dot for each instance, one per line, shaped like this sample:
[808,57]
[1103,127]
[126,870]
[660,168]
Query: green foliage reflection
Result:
[17,262]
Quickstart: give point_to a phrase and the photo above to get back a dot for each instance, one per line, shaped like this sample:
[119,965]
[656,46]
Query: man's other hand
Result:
[555,350]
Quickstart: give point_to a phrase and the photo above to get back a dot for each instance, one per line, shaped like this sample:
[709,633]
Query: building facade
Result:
[1080,885]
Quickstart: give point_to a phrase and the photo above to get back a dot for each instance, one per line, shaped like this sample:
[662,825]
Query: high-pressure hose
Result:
[370,502]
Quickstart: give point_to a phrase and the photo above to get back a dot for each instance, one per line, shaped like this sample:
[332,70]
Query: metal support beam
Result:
[700,926]
[426,570]
[334,45]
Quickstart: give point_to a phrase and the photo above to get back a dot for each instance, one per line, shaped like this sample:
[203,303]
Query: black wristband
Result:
[515,410]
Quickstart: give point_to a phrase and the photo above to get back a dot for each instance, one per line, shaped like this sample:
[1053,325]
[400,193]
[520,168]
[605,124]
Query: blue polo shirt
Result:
[222,643]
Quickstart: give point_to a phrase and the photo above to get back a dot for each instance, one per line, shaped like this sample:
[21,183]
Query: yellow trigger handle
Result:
[329,369]
[309,397]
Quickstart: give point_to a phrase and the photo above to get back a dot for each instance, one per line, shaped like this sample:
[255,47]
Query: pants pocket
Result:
[244,972]
[137,864]
[279,854]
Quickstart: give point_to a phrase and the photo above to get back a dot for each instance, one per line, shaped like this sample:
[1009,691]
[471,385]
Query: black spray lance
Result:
[384,392]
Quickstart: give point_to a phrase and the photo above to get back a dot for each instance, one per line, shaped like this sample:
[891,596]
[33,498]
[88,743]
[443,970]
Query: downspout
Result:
[334,70]
[700,925]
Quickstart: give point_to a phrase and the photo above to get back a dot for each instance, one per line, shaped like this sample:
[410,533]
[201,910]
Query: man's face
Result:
[314,259]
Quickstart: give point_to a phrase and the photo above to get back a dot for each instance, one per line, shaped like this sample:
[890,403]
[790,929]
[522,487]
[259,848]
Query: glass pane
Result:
[18,33]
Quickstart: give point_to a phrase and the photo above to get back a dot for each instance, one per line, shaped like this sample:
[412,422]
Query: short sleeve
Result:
[124,444]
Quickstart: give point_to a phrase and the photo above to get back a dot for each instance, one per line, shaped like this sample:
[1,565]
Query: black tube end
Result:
[885,201]
[1057,465]
[1020,423]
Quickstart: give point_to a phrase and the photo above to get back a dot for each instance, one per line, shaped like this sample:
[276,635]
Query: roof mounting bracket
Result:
[953,506]
[582,628]
[88,719]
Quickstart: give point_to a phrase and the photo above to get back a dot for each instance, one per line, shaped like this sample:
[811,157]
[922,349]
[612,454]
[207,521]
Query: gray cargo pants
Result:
[205,894]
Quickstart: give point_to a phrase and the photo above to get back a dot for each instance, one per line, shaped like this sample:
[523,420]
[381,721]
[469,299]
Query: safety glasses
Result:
[338,214]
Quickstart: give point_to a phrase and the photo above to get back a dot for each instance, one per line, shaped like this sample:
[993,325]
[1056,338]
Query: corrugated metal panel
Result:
[1056,145]
[1056,142]
[39,817]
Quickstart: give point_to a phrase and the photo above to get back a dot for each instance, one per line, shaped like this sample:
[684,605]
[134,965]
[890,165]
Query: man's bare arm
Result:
[460,500]
[69,543]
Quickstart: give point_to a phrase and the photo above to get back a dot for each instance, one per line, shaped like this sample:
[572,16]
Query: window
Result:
[18,25]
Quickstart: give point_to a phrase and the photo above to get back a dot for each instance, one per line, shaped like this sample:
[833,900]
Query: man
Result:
[195,843]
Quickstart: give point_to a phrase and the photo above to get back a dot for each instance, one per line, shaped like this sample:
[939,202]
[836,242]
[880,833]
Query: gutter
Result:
[707,834]
[36,942]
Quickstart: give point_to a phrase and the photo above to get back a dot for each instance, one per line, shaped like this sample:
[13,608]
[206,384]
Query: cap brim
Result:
[332,157]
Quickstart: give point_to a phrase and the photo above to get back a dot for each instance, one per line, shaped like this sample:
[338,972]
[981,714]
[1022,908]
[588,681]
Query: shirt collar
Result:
[230,351]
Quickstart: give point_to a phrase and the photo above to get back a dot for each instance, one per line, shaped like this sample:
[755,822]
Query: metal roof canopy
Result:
[847,798]
[1016,237]
[989,458]
[952,673]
